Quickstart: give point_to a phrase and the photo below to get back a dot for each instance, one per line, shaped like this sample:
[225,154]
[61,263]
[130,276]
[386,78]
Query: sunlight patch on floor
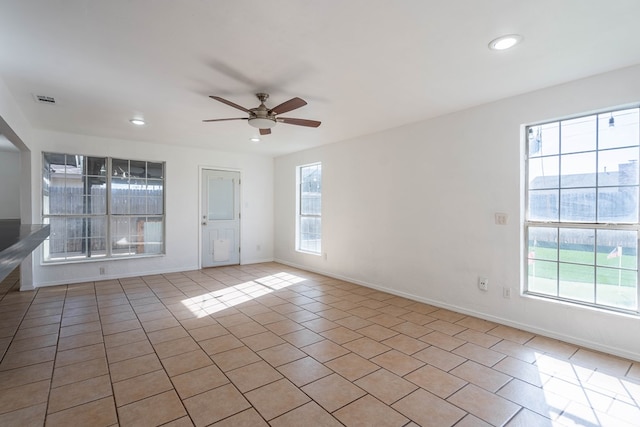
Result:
[222,299]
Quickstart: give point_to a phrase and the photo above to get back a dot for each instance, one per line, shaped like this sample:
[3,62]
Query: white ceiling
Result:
[362,65]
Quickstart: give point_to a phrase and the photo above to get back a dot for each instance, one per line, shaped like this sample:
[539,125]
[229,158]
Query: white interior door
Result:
[220,218]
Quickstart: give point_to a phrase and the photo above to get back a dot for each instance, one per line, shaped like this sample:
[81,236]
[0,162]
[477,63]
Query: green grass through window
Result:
[576,263]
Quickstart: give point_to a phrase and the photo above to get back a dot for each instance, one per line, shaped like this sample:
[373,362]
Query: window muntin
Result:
[582,217]
[100,207]
[309,209]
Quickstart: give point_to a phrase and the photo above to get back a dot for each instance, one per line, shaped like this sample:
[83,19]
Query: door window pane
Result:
[220,199]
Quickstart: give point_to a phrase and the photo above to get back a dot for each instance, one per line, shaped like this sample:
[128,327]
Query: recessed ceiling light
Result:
[138,122]
[255,140]
[505,42]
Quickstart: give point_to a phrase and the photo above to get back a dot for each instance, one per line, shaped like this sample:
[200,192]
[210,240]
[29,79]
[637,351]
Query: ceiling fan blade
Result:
[299,122]
[223,120]
[229,103]
[265,131]
[289,105]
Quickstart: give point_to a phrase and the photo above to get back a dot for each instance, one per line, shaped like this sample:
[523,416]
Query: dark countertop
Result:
[17,242]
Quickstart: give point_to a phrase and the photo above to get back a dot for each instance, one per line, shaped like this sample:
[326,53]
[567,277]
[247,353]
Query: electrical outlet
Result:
[506,292]
[258,248]
[102,271]
[501,218]
[483,283]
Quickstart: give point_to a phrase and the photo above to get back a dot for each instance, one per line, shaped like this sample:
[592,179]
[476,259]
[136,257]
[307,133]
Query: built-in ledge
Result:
[17,242]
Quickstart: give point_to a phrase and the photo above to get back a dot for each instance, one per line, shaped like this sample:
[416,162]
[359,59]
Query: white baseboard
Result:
[256,261]
[503,321]
[116,276]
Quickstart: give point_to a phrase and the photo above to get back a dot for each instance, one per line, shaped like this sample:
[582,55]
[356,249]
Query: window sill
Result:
[309,253]
[581,306]
[92,260]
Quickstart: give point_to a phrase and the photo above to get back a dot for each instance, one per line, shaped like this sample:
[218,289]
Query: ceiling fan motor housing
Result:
[261,117]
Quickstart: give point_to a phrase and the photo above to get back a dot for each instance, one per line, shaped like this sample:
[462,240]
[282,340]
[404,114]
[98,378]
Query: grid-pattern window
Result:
[100,207]
[582,217]
[309,224]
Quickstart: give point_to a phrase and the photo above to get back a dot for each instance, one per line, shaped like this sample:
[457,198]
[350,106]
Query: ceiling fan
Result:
[265,118]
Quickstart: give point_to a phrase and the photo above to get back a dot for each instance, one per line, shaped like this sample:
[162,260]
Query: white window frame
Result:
[109,215]
[300,216]
[529,257]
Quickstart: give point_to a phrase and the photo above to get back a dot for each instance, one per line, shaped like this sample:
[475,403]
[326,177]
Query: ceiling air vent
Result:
[45,99]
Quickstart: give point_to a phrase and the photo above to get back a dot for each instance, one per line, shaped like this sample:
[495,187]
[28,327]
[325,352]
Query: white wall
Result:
[411,210]
[182,198]
[15,127]
[9,185]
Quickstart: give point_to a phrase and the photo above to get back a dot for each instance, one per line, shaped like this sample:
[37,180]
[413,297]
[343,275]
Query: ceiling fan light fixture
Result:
[262,123]
[505,42]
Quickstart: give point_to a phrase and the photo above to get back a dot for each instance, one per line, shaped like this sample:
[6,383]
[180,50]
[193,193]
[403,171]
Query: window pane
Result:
[578,170]
[617,288]
[122,236]
[138,169]
[543,243]
[544,205]
[137,236]
[137,196]
[618,204]
[577,245]
[55,199]
[74,199]
[120,195]
[221,199]
[120,168]
[76,238]
[155,170]
[618,248]
[311,190]
[96,166]
[155,197]
[544,140]
[310,232]
[578,134]
[150,235]
[623,132]
[97,236]
[543,277]
[578,205]
[576,282]
[311,204]
[618,167]
[57,238]
[97,199]
[544,172]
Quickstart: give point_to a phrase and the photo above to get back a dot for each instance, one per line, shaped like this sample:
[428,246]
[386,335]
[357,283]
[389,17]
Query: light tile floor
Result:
[272,345]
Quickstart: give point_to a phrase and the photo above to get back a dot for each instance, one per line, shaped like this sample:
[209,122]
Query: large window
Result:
[99,207]
[582,210]
[309,209]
